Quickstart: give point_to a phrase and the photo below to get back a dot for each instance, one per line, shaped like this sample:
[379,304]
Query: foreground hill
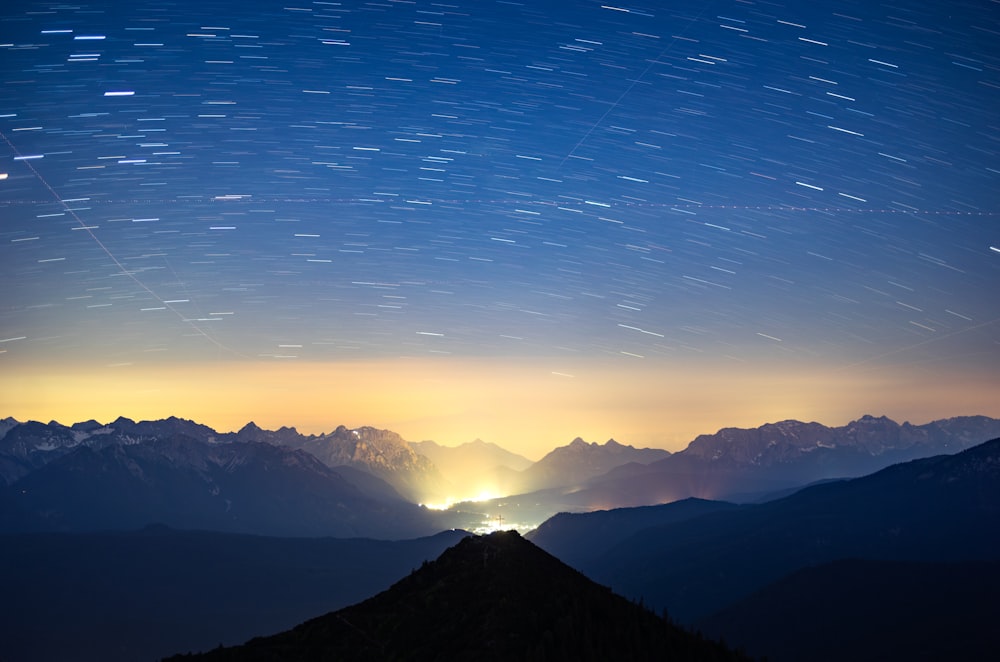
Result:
[188,484]
[496,597]
[134,596]
[943,508]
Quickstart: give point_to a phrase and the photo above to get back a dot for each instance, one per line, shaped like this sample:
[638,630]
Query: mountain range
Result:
[493,597]
[382,453]
[364,481]
[937,509]
[746,465]
[250,487]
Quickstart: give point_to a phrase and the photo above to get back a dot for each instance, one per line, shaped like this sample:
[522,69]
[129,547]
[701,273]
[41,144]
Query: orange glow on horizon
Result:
[527,406]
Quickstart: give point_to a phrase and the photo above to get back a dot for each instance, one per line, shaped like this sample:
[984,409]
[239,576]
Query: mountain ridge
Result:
[776,457]
[733,462]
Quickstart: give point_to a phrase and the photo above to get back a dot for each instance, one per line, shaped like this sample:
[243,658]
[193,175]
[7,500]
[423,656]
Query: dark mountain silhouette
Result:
[579,538]
[283,436]
[474,467]
[942,508]
[185,483]
[122,597]
[867,610]
[578,461]
[496,597]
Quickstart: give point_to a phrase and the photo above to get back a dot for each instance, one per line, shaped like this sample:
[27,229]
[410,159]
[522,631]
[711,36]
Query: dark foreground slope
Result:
[495,597]
[134,597]
[870,610]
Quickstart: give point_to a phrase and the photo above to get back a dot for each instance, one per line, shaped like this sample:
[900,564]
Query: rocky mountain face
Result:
[382,453]
[186,483]
[30,445]
[495,597]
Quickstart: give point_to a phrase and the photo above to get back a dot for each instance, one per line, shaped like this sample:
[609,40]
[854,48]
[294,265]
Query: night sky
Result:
[516,221]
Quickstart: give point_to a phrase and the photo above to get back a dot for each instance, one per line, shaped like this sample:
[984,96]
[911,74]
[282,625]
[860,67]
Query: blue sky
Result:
[661,190]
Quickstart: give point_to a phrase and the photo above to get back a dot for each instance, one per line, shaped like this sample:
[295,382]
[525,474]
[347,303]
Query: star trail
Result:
[518,221]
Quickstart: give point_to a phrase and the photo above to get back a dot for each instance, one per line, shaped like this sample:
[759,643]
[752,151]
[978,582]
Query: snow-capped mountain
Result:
[27,446]
[187,483]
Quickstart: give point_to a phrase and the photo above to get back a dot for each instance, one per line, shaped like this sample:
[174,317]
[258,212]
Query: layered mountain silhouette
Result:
[179,481]
[385,469]
[942,508]
[495,597]
[142,595]
[746,465]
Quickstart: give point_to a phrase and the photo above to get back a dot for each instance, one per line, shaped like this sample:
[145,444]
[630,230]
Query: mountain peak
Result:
[496,597]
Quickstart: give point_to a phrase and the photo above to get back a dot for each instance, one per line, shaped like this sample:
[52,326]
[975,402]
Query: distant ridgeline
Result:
[365,481]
